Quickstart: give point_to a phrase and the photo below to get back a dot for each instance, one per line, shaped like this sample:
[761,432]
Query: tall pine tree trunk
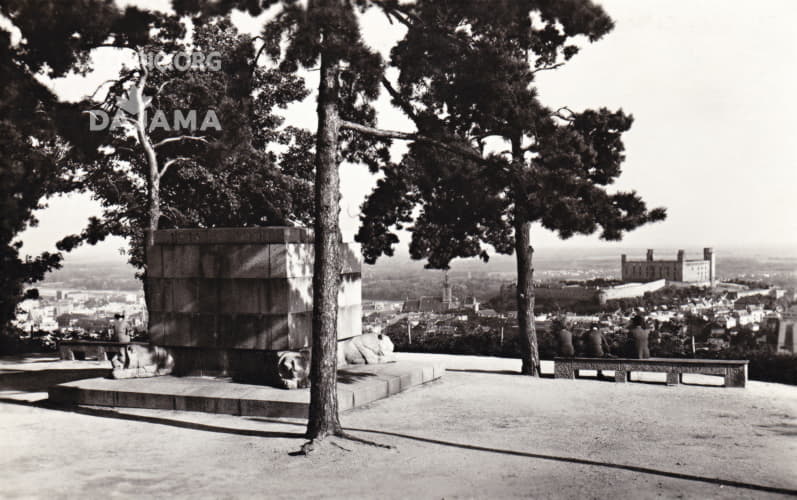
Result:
[323,417]
[525,279]
[525,299]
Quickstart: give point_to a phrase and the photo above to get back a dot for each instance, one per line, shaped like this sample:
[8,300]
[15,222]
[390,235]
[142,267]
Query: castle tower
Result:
[447,291]
[708,254]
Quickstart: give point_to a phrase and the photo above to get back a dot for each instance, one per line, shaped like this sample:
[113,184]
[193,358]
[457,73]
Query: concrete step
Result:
[357,386]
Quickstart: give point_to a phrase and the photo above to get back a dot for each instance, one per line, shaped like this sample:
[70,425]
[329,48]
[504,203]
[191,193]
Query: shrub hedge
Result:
[765,365]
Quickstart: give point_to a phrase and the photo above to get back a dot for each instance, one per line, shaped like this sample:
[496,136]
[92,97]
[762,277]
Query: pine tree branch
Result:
[404,15]
[257,56]
[392,10]
[548,68]
[377,132]
[394,134]
[413,115]
[403,104]
[180,138]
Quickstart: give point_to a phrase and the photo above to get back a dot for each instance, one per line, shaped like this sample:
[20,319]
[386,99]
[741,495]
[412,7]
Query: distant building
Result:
[786,337]
[777,293]
[445,303]
[471,303]
[487,313]
[629,290]
[680,269]
[571,294]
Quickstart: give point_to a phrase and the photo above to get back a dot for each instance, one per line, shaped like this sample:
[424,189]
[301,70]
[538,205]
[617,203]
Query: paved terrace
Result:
[479,432]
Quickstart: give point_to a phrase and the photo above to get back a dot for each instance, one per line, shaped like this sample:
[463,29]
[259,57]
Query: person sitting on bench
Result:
[597,345]
[564,338]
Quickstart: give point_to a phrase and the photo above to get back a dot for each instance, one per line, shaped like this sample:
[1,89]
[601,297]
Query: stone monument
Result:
[233,301]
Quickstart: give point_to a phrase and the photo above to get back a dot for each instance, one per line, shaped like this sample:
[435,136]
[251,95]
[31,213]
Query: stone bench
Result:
[84,349]
[734,371]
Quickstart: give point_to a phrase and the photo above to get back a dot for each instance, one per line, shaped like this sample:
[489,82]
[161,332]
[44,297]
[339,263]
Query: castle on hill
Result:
[680,270]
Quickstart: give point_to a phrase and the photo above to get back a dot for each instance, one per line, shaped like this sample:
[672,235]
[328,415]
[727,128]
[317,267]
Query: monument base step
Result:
[357,386]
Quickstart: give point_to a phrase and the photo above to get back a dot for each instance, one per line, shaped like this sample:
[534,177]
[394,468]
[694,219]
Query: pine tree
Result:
[324,35]
[467,73]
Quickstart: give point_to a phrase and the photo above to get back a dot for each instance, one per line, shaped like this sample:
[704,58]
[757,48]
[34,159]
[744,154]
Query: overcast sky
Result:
[710,84]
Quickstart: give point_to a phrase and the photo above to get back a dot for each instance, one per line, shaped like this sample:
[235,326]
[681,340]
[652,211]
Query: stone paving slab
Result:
[357,386]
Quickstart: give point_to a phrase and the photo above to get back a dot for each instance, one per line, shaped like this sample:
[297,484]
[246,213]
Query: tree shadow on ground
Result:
[41,380]
[784,429]
[495,372]
[475,370]
[347,377]
[300,435]
[572,460]
[30,357]
[581,461]
[96,412]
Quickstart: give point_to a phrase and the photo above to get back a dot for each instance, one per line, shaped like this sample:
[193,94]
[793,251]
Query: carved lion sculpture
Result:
[293,369]
[368,348]
[142,361]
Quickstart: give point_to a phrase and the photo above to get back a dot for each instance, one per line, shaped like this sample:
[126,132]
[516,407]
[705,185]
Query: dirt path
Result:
[475,434]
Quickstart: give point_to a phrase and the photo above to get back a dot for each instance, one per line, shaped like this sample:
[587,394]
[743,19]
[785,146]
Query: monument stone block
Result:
[211,260]
[179,330]
[185,295]
[155,261]
[160,294]
[157,331]
[351,291]
[292,260]
[163,237]
[300,295]
[300,327]
[204,330]
[280,331]
[349,321]
[239,296]
[352,258]
[181,261]
[208,295]
[223,297]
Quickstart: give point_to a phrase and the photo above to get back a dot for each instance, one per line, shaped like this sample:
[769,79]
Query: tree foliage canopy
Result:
[35,132]
[230,176]
[467,72]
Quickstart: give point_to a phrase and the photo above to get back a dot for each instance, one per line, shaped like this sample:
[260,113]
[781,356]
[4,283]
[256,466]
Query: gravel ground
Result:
[480,432]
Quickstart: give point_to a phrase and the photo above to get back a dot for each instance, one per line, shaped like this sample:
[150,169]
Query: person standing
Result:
[640,335]
[120,329]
